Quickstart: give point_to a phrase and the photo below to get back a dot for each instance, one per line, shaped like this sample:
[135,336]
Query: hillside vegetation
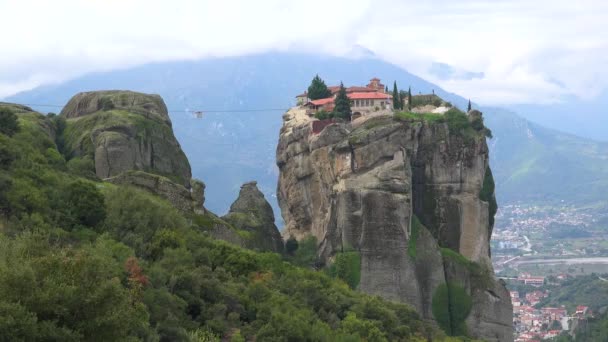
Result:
[81,259]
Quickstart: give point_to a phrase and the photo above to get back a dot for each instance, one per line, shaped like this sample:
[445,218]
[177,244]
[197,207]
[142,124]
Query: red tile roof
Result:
[321,102]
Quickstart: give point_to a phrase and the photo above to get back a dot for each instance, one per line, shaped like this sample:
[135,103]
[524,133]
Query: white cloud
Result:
[527,50]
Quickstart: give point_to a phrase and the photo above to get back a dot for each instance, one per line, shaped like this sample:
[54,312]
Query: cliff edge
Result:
[413,196]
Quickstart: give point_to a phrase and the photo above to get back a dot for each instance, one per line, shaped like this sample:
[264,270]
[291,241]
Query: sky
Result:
[501,51]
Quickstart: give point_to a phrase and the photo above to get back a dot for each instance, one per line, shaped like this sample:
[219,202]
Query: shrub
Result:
[83,205]
[451,305]
[291,245]
[323,115]
[9,123]
[347,266]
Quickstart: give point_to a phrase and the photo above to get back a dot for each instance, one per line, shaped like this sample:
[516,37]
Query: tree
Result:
[9,123]
[84,204]
[396,104]
[318,89]
[409,99]
[386,89]
[469,106]
[291,246]
[342,109]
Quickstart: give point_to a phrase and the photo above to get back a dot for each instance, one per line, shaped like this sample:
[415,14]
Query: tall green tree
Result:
[318,89]
[409,99]
[469,106]
[342,109]
[386,89]
[396,104]
[9,123]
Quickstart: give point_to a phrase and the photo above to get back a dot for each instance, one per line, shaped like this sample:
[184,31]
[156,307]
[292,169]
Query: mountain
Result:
[583,117]
[228,148]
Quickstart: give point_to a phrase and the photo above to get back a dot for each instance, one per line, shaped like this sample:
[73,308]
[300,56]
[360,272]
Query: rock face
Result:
[252,215]
[123,130]
[367,187]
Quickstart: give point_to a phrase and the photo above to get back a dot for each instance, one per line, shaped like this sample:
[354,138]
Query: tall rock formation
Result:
[414,198]
[124,130]
[252,215]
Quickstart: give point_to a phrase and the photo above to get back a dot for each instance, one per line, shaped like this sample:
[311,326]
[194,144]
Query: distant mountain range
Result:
[237,143]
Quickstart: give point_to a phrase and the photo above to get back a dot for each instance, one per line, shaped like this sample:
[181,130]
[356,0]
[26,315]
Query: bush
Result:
[347,266]
[451,306]
[291,245]
[323,115]
[84,205]
[9,123]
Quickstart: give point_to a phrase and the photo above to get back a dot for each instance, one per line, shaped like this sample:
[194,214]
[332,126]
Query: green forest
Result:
[81,259]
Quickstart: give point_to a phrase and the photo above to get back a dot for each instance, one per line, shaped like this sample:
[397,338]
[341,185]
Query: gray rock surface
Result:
[122,131]
[359,187]
[252,214]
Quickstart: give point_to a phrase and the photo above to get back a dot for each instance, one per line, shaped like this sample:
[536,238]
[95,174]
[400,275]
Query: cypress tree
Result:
[469,106]
[386,89]
[342,109]
[318,89]
[395,96]
[409,99]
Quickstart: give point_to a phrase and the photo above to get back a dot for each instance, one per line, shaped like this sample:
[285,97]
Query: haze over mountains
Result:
[237,143]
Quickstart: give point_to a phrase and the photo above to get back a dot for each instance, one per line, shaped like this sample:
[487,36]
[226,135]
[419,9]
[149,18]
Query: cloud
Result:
[519,50]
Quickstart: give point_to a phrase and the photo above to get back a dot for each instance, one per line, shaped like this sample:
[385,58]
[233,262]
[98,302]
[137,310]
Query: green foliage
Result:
[7,152]
[457,121]
[347,266]
[9,124]
[451,306]
[416,226]
[596,329]
[291,245]
[487,194]
[396,98]
[427,117]
[586,290]
[50,293]
[342,104]
[323,115]
[105,103]
[306,253]
[83,205]
[318,89]
[409,99]
[469,106]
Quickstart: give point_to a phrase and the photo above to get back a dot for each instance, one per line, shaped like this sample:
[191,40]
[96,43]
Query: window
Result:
[381,104]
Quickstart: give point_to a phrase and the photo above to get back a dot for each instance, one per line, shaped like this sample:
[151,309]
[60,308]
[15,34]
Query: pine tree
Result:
[395,96]
[469,106]
[409,99]
[386,89]
[318,89]
[342,108]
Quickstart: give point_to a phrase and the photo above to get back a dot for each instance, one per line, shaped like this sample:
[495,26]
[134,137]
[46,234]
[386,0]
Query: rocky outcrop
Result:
[121,131]
[187,201]
[364,187]
[253,218]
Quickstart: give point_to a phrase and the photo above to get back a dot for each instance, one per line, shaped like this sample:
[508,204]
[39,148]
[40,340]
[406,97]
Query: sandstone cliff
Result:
[123,130]
[414,198]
